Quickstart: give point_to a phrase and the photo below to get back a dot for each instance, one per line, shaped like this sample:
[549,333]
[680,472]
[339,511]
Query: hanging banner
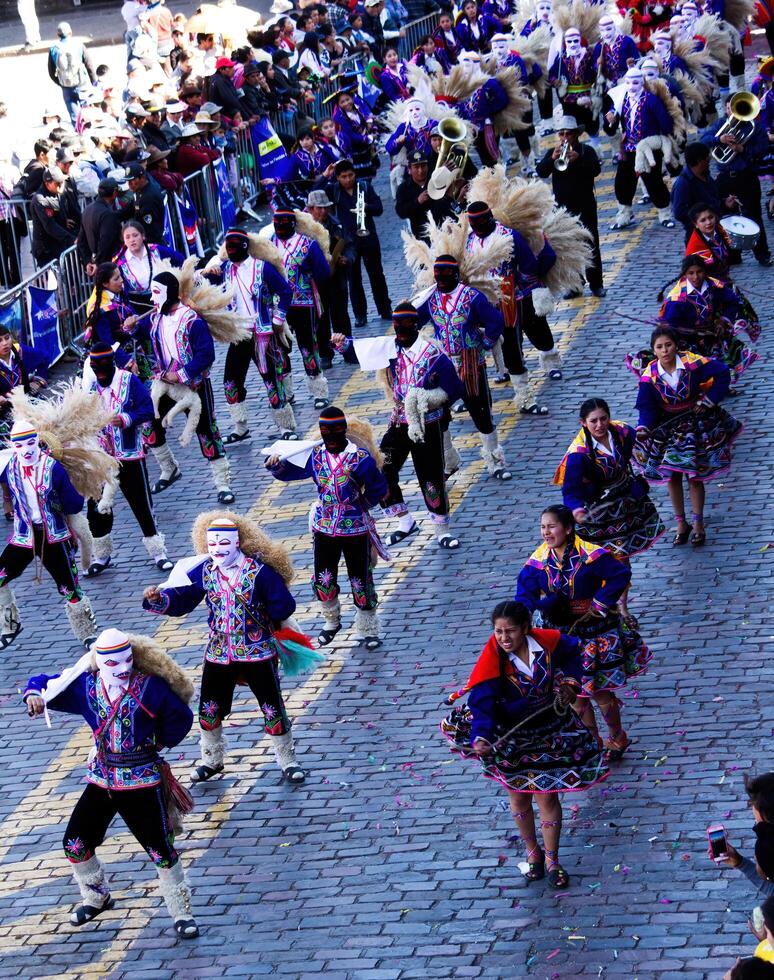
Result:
[273,160]
[189,221]
[44,323]
[225,195]
[12,318]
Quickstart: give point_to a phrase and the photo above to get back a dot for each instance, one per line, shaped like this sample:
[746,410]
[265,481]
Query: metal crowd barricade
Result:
[199,185]
[47,277]
[74,288]
[414,31]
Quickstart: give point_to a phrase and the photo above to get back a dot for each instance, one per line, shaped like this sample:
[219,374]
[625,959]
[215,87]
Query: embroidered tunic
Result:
[585,473]
[524,271]
[45,496]
[579,74]
[612,58]
[260,292]
[305,268]
[148,717]
[688,311]
[242,604]
[648,116]
[416,139]
[182,342]
[128,397]
[348,485]
[462,320]
[657,401]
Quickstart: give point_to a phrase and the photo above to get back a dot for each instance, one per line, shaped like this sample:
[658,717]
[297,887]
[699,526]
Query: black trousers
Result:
[217,694]
[238,359]
[369,254]
[479,406]
[626,181]
[207,431]
[534,327]
[522,136]
[427,457]
[335,317]
[143,812]
[546,103]
[590,220]
[747,187]
[302,320]
[134,485]
[57,558]
[356,549]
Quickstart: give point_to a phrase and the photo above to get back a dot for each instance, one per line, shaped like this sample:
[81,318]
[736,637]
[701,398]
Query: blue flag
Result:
[12,318]
[189,221]
[225,194]
[44,323]
[169,237]
[271,155]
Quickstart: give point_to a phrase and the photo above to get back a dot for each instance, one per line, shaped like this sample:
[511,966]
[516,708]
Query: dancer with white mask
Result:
[243,577]
[573,74]
[135,700]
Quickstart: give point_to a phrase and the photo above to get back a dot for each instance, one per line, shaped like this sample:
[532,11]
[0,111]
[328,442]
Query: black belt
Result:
[130,760]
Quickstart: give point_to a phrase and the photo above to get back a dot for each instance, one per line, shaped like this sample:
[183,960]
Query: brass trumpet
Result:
[744,107]
[562,162]
[360,211]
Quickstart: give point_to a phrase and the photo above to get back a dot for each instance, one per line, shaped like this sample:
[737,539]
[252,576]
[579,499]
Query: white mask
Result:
[677,24]
[158,294]
[634,84]
[649,70]
[544,10]
[415,114]
[689,13]
[500,50]
[663,46]
[114,659]
[572,43]
[26,445]
[470,64]
[607,30]
[223,546]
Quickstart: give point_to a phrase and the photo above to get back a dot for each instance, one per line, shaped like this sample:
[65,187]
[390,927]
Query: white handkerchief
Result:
[178,577]
[375,353]
[293,452]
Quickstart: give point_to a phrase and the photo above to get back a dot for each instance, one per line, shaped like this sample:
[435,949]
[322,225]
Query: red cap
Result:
[224,63]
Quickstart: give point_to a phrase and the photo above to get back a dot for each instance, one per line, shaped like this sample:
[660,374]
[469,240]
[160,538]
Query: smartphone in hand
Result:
[718,842]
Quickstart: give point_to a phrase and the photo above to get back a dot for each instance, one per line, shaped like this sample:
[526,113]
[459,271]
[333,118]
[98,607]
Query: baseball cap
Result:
[137,110]
[417,157]
[107,186]
[135,170]
[210,107]
[224,62]
[54,175]
[64,155]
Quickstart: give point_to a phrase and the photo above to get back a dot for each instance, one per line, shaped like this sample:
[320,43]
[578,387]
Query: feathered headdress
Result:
[680,132]
[454,87]
[580,16]
[738,12]
[306,225]
[533,50]
[259,248]
[69,423]
[252,541]
[449,239]
[709,28]
[511,118]
[210,302]
[700,64]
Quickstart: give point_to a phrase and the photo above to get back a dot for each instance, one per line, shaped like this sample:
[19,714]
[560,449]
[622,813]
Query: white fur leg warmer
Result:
[497,357]
[284,750]
[331,612]
[238,415]
[550,360]
[9,611]
[221,473]
[165,459]
[155,546]
[92,884]
[82,620]
[212,747]
[103,548]
[492,452]
[451,458]
[665,214]
[175,891]
[366,623]
[285,418]
[520,385]
[318,386]
[623,216]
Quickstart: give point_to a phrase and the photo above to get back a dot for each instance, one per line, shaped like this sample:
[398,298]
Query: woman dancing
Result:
[517,723]
[138,262]
[111,319]
[682,431]
[575,586]
[611,505]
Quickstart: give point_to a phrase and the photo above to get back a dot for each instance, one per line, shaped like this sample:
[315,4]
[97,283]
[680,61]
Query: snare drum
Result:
[742,232]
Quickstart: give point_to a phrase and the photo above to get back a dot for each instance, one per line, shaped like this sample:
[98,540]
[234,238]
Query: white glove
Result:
[416,432]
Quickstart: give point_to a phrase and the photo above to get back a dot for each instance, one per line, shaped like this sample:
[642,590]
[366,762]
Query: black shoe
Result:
[573,294]
[599,293]
[361,322]
[386,316]
[766,261]
[326,363]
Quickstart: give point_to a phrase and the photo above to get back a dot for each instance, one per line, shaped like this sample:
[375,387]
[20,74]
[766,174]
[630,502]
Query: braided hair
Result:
[103,275]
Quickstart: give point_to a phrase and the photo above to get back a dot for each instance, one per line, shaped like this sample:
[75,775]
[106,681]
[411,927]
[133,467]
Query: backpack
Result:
[69,66]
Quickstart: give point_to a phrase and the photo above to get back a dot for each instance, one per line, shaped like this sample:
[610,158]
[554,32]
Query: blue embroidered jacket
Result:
[305,267]
[353,137]
[646,117]
[447,49]
[496,702]
[690,311]
[424,365]
[527,77]
[129,398]
[587,576]
[57,498]
[416,139]
[239,619]
[463,319]
[489,99]
[107,329]
[657,401]
[526,269]
[487,26]
[348,485]
[394,85]
[587,473]
[612,58]
[268,288]
[194,352]
[578,76]
[146,719]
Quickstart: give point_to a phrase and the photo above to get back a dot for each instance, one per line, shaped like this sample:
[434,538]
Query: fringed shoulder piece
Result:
[362,434]
[210,303]
[306,225]
[261,249]
[252,541]
[577,14]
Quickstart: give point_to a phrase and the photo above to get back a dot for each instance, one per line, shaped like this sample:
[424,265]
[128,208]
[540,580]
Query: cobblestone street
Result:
[395,860]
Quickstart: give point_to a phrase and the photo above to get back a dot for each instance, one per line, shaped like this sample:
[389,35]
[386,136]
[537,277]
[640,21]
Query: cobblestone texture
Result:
[393,860]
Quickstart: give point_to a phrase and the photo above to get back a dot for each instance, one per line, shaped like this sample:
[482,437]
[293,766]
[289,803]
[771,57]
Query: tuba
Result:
[744,108]
[453,153]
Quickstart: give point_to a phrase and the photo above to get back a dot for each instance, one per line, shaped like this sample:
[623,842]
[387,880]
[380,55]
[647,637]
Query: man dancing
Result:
[243,577]
[135,700]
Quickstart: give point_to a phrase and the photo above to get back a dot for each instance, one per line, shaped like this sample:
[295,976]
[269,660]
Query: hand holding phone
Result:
[718,843]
